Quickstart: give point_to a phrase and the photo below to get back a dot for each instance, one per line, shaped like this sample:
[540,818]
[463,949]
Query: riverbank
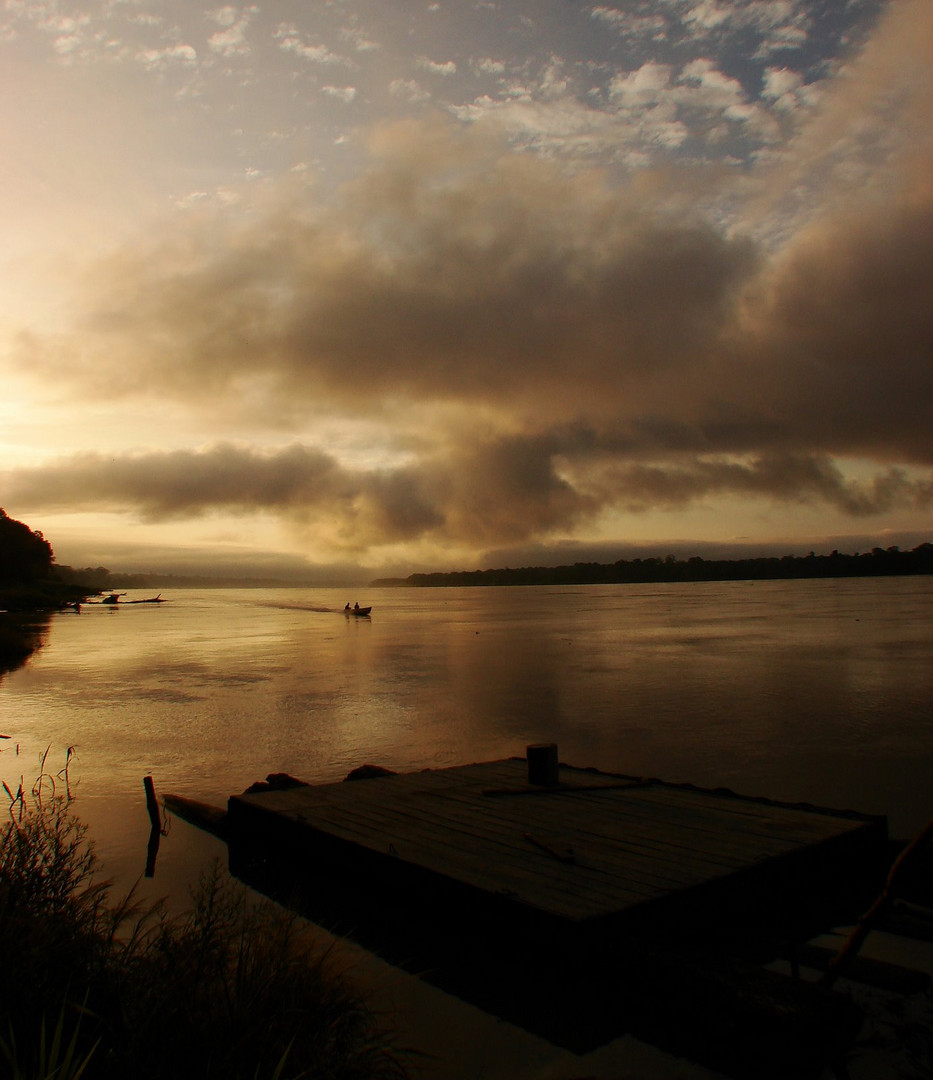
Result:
[39,596]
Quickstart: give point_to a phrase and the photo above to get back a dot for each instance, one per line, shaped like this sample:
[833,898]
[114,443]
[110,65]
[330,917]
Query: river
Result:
[818,691]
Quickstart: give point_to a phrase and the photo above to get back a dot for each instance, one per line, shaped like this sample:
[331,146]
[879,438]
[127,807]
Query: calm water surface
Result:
[819,691]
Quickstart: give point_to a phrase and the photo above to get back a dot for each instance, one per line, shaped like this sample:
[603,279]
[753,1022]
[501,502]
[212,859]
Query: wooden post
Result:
[542,764]
[152,851]
[152,804]
[155,833]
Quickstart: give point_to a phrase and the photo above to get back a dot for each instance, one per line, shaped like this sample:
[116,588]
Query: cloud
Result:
[297,482]
[170,54]
[358,40]
[231,40]
[486,65]
[803,478]
[635,117]
[477,493]
[505,277]
[538,345]
[437,67]
[409,90]
[426,283]
[781,25]
[783,87]
[645,86]
[224,16]
[867,130]
[341,93]
[474,495]
[709,14]
[289,40]
[841,326]
[628,24]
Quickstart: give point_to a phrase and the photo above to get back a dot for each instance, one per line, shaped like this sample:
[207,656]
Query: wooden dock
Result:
[594,858]
[575,903]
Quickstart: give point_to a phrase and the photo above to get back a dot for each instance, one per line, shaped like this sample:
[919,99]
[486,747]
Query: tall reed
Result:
[230,990]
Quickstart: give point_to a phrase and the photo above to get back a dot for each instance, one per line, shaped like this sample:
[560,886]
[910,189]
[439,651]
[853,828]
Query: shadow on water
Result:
[20,637]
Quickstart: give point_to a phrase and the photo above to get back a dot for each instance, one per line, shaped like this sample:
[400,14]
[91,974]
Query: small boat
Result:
[149,600]
[357,610]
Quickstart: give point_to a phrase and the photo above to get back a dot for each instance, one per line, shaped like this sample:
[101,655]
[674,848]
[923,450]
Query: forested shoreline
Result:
[878,562]
[31,580]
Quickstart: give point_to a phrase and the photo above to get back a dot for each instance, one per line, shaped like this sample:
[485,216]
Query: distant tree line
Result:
[100,579]
[875,563]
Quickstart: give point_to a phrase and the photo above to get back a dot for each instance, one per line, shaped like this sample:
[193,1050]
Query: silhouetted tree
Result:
[25,555]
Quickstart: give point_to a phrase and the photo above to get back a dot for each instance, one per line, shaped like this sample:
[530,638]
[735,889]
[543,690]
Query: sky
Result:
[315,288]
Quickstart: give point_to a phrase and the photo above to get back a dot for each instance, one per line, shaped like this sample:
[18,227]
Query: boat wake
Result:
[284,606]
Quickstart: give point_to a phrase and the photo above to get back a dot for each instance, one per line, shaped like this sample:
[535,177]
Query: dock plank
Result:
[710,836]
[494,862]
[633,841]
[390,820]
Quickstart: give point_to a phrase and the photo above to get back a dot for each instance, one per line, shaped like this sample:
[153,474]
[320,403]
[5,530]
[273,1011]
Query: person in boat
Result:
[347,608]
[356,606]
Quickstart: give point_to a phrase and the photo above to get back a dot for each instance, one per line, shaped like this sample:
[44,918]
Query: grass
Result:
[94,989]
[58,1057]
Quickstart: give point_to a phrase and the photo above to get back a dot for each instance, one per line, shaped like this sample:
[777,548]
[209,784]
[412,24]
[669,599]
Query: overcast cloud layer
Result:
[687,259]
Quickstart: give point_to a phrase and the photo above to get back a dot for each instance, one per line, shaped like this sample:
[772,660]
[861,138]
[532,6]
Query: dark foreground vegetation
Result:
[875,563]
[104,990]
